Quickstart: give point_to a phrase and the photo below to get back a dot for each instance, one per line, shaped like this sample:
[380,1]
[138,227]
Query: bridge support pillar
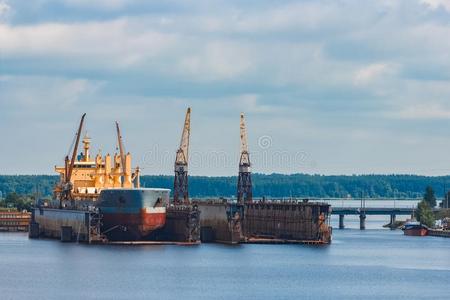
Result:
[362,221]
[341,222]
[392,223]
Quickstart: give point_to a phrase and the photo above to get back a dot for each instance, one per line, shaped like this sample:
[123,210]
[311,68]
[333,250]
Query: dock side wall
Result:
[291,221]
[53,221]
[218,223]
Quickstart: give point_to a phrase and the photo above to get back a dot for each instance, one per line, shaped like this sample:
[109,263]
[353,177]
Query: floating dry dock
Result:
[293,222]
[265,222]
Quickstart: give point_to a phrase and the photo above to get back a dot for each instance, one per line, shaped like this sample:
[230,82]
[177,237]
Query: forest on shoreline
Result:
[268,185]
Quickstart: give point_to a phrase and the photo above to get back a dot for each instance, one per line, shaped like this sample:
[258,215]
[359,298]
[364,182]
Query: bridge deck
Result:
[371,211]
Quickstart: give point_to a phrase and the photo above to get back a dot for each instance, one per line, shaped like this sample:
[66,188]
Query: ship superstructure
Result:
[83,178]
[91,175]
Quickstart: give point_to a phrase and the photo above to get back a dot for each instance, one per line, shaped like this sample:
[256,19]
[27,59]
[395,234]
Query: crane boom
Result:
[75,149]
[183,151]
[122,155]
[244,156]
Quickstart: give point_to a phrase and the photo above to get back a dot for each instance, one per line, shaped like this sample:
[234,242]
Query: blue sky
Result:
[329,87]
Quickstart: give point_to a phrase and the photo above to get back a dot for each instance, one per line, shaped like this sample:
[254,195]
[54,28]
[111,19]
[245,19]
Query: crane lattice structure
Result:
[244,188]
[180,186]
[69,165]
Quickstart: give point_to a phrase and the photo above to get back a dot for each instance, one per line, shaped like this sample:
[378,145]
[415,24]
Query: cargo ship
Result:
[101,193]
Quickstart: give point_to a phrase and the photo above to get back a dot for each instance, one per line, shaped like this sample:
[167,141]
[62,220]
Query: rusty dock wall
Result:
[264,222]
[220,221]
[288,221]
[182,225]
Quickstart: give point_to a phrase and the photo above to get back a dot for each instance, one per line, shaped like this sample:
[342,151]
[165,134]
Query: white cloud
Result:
[429,111]
[372,72]
[333,69]
[4,9]
[28,94]
[250,103]
[101,4]
[435,4]
[113,43]
[217,59]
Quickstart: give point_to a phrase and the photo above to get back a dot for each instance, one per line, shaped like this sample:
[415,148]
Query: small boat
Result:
[414,228]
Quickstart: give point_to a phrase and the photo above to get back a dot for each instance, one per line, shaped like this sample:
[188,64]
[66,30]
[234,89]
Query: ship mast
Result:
[180,190]
[122,156]
[244,188]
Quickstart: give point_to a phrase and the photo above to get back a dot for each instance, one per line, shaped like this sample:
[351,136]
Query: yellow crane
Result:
[244,188]
[121,150]
[180,189]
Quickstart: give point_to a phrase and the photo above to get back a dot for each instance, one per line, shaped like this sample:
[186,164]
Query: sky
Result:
[327,87]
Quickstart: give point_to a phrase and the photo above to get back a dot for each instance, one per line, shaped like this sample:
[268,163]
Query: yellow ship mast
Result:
[122,156]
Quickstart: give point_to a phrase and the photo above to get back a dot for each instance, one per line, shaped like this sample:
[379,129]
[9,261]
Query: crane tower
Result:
[180,187]
[244,188]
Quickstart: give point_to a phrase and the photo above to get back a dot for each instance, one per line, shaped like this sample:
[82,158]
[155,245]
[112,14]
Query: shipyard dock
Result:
[99,200]
[216,221]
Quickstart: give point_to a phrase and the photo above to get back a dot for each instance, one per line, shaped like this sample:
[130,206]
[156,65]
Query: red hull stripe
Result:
[146,222]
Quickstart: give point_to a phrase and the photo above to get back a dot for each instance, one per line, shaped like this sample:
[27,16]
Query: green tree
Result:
[20,202]
[425,214]
[429,196]
[12,199]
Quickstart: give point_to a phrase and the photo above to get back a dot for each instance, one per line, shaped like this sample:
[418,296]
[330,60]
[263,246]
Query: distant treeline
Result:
[272,185]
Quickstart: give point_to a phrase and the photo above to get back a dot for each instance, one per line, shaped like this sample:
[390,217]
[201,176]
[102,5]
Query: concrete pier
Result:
[362,221]
[392,223]
[341,222]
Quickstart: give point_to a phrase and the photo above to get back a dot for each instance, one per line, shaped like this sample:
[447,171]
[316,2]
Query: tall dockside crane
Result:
[244,188]
[122,154]
[68,186]
[180,186]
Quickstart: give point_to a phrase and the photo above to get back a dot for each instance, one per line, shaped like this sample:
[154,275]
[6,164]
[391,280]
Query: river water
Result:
[372,264]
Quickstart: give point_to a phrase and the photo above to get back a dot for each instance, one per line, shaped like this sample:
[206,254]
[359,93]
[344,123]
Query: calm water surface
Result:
[373,264]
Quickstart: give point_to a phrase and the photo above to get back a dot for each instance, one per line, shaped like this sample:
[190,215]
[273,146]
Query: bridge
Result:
[364,211]
[376,211]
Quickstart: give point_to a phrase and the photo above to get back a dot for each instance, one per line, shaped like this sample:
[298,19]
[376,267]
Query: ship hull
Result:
[414,229]
[132,214]
[132,226]
[416,232]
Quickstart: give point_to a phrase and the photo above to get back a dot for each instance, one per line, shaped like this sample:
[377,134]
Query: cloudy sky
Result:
[329,87]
